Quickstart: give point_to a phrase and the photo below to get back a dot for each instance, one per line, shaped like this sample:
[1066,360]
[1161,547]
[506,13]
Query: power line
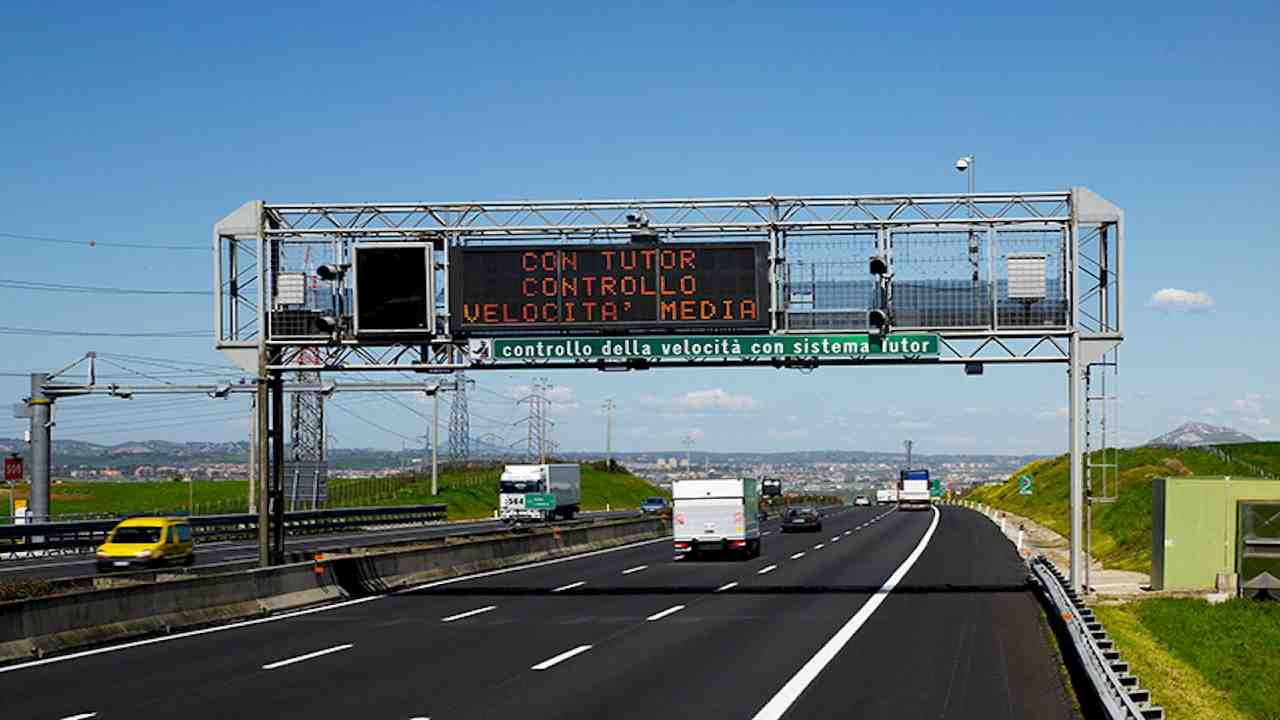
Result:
[367,421]
[42,332]
[95,243]
[93,289]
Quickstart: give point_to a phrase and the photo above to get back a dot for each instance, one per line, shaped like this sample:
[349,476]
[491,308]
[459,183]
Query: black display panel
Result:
[393,290]
[590,289]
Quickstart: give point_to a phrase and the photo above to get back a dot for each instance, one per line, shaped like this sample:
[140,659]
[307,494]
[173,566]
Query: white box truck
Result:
[913,490]
[886,497]
[534,493]
[715,515]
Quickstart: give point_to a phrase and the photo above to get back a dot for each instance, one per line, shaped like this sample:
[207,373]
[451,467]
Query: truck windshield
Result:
[519,486]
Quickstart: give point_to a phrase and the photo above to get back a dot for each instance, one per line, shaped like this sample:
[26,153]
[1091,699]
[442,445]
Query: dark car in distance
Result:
[653,505]
[802,518]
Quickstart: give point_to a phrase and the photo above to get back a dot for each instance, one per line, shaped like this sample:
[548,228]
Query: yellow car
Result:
[147,542]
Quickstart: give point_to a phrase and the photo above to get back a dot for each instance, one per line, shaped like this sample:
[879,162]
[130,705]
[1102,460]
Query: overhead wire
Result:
[94,289]
[96,243]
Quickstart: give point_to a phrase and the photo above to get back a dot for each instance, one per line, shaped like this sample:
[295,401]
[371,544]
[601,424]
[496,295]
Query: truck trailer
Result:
[913,490]
[536,493]
[886,497]
[715,515]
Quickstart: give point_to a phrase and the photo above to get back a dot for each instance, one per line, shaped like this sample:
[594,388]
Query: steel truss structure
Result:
[953,264]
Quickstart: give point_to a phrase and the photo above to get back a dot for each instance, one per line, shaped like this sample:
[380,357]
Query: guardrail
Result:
[1116,688]
[85,535]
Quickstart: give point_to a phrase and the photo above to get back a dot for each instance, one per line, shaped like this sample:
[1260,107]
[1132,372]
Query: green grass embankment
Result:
[1199,660]
[1121,529]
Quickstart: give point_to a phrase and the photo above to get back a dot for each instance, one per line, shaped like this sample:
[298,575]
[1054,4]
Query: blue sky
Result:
[145,125]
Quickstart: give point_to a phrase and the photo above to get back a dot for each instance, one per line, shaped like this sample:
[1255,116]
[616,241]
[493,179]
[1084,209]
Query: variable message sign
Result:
[589,289]
[678,347]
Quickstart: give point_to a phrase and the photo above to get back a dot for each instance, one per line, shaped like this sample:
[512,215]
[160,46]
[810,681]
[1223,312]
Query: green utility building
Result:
[1195,528]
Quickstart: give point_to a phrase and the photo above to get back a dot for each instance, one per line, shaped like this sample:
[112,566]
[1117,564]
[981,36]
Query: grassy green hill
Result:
[1265,455]
[469,492]
[1121,529]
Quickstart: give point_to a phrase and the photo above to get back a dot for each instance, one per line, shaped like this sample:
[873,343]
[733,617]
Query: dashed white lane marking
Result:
[552,662]
[797,556]
[635,569]
[791,691]
[669,611]
[819,546]
[81,716]
[847,532]
[321,609]
[765,533]
[570,586]
[308,656]
[835,539]
[766,569]
[727,586]
[469,613]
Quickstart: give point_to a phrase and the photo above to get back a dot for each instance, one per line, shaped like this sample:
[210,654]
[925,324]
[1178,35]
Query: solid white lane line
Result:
[819,546]
[797,556]
[635,569]
[791,691]
[766,569]
[570,586]
[469,613]
[727,586]
[669,611]
[81,716]
[552,662]
[308,656]
[320,609]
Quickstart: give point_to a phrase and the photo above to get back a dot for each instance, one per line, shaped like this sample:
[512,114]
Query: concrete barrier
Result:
[34,627]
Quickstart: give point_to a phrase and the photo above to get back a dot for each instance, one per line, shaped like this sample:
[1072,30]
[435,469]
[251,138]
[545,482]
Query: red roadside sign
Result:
[13,468]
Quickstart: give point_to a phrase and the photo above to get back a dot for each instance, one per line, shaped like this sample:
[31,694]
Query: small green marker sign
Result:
[540,501]
[1024,485]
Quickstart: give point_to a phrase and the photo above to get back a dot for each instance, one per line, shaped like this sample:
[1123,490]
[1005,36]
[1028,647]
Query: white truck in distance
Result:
[886,497]
[539,492]
[715,515]
[913,490]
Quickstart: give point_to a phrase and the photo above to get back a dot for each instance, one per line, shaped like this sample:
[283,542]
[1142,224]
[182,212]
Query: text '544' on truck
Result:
[535,493]
[715,516]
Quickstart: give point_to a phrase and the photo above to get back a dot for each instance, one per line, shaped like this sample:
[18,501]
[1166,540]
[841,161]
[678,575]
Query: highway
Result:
[884,614]
[230,553]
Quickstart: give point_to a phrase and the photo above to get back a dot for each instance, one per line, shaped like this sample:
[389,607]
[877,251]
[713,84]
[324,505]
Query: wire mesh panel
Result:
[1024,252]
[824,283]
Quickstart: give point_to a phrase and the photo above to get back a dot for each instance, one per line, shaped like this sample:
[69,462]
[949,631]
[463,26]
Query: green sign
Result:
[857,347]
[935,487]
[540,501]
[1024,485]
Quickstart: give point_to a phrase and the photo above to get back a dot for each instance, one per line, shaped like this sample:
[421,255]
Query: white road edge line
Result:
[766,569]
[322,608]
[727,586]
[469,613]
[669,611]
[791,691]
[570,586]
[635,569]
[551,662]
[797,556]
[308,656]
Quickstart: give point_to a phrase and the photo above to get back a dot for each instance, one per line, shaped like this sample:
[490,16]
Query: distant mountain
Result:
[1195,434]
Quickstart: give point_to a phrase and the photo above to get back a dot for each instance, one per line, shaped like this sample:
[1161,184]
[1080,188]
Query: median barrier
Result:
[38,626]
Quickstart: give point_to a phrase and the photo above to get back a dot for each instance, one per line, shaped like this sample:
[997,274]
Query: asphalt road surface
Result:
[56,567]
[885,614]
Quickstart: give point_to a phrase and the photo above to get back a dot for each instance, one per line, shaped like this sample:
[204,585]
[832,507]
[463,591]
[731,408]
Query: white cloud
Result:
[1251,403]
[1056,413]
[783,435]
[1181,300]
[1209,412]
[712,400]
